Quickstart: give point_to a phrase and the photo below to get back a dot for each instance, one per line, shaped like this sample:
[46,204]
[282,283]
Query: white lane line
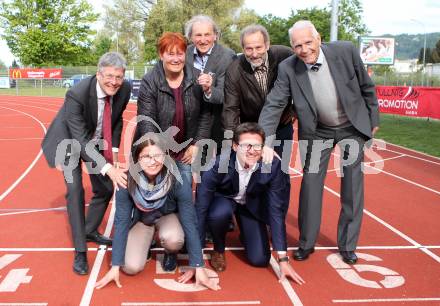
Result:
[411,150]
[20,211]
[388,300]
[408,247]
[88,292]
[190,303]
[5,193]
[405,180]
[47,109]
[395,176]
[365,163]
[42,249]
[390,227]
[294,298]
[23,304]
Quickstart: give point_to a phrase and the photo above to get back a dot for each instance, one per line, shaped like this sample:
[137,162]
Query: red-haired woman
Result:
[166,99]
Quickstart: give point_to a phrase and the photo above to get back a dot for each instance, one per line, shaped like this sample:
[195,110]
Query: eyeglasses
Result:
[111,77]
[248,146]
[159,157]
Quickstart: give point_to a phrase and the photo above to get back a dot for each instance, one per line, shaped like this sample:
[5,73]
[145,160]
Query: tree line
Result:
[59,32]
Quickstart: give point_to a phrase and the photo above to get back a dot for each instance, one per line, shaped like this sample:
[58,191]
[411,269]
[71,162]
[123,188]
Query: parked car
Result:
[74,79]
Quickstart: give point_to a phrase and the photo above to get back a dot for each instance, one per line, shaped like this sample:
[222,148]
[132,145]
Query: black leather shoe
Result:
[349,257]
[169,262]
[302,254]
[80,265]
[98,238]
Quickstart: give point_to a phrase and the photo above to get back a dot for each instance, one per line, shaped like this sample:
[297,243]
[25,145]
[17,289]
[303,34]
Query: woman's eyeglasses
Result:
[159,157]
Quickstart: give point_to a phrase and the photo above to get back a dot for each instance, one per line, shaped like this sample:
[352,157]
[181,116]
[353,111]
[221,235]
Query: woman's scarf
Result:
[147,199]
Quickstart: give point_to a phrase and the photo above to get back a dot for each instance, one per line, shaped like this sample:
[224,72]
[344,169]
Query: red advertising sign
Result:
[409,101]
[35,73]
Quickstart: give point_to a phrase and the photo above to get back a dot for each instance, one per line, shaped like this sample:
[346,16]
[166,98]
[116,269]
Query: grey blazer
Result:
[354,87]
[218,61]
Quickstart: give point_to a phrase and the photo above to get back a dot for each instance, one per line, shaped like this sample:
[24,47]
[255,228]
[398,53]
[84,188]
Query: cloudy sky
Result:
[380,16]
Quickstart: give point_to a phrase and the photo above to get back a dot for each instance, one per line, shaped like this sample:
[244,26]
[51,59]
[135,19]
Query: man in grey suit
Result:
[335,102]
[206,63]
[88,129]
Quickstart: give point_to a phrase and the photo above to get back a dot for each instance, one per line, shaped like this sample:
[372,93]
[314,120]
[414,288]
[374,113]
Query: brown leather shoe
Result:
[218,261]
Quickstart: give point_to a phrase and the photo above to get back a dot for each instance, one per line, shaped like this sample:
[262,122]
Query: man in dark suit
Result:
[257,193]
[335,102]
[206,62]
[250,78]
[88,129]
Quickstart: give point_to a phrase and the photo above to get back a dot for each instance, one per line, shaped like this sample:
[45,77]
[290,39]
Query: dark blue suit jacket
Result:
[267,194]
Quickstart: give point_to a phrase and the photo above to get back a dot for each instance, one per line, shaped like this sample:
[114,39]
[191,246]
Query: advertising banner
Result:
[35,73]
[377,50]
[409,101]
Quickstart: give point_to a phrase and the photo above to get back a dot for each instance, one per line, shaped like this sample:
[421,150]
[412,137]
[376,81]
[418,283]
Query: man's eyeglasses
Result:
[249,146]
[111,77]
[159,157]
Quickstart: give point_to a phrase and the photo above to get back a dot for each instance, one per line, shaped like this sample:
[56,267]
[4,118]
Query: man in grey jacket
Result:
[206,62]
[335,102]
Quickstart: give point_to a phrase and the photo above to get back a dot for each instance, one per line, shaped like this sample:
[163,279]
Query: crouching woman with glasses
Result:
[152,202]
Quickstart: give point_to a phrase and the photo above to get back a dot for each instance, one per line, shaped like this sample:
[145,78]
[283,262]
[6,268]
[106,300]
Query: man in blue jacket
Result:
[258,195]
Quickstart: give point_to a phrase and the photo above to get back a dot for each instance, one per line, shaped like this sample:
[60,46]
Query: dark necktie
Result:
[315,67]
[107,130]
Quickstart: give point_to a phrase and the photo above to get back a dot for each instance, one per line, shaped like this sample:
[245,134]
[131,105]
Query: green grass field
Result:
[35,91]
[418,134]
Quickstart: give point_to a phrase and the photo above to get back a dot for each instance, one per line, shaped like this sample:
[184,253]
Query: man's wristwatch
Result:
[283,259]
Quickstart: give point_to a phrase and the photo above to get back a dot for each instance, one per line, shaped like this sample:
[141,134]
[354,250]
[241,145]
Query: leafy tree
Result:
[350,21]
[44,32]
[171,15]
[125,22]
[428,56]
[277,28]
[320,17]
[14,64]
[435,54]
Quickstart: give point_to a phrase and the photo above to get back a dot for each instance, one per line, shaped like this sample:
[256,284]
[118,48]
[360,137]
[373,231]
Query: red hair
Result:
[170,40]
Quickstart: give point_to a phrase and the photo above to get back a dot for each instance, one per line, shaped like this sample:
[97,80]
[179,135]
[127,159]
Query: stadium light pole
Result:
[424,48]
[334,21]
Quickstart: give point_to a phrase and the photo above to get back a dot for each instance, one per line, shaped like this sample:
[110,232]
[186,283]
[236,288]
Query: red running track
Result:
[399,242]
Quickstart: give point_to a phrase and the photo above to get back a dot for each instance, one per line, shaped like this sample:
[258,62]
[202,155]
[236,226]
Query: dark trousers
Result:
[102,187]
[284,133]
[253,232]
[352,188]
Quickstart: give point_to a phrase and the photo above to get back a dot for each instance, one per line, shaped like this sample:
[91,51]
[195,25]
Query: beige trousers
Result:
[171,238]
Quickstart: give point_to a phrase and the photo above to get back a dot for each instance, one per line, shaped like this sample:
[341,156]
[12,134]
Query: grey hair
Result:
[203,19]
[303,24]
[112,59]
[254,28]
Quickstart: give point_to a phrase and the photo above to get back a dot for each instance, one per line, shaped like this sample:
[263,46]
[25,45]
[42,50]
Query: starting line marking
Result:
[388,300]
[192,303]
[294,298]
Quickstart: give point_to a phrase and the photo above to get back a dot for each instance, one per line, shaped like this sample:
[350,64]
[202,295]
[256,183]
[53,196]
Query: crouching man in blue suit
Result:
[258,195]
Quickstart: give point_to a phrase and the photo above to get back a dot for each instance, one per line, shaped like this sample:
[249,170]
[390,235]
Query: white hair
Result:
[202,19]
[303,24]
